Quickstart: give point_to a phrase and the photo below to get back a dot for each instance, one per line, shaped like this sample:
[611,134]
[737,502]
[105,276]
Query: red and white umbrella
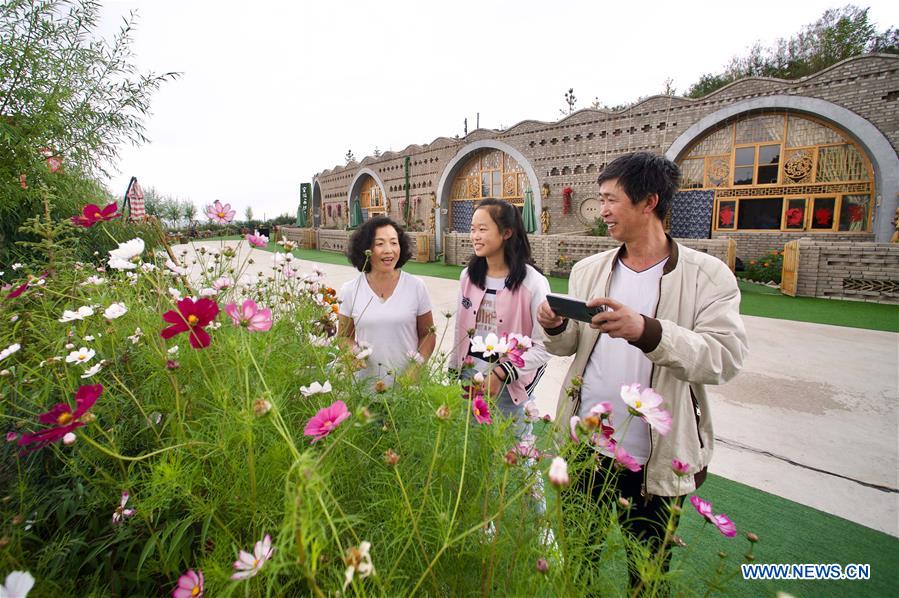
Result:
[134,197]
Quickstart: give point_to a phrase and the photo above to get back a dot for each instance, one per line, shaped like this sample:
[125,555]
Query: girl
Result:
[499,293]
[384,308]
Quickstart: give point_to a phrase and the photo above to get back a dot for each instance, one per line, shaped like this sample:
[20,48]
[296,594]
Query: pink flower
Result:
[247,564]
[11,436]
[190,585]
[221,214]
[572,428]
[602,410]
[679,467]
[121,512]
[626,460]
[257,240]
[725,525]
[91,214]
[17,291]
[481,411]
[326,420]
[703,507]
[250,316]
[223,282]
[558,472]
[646,403]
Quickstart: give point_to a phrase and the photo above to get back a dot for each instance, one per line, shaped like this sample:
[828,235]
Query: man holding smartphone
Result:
[671,322]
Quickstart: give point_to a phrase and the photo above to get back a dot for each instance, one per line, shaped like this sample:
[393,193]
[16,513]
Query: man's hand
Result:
[618,321]
[547,318]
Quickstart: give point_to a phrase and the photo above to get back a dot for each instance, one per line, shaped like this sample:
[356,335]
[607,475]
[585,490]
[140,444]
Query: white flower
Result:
[17,585]
[82,355]
[172,266]
[214,326]
[222,282]
[70,345]
[114,311]
[362,350]
[14,318]
[128,250]
[16,266]
[90,372]
[147,267]
[9,350]
[131,276]
[93,280]
[173,350]
[207,292]
[89,338]
[83,312]
[415,356]
[558,472]
[316,388]
[69,439]
[358,561]
[175,293]
[135,338]
[120,264]
[489,346]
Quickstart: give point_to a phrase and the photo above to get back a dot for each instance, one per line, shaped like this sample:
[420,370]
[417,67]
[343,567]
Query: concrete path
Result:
[813,416]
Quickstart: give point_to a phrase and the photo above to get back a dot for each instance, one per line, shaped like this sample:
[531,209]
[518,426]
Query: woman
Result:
[499,293]
[384,308]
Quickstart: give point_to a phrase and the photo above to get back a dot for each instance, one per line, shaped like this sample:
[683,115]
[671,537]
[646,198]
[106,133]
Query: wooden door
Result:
[790,272]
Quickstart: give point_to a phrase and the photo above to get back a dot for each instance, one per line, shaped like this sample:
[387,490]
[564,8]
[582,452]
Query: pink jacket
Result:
[516,313]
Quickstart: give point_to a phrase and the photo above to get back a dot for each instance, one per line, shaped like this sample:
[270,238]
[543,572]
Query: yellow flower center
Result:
[81,357]
[192,319]
[97,215]
[64,418]
[255,563]
[490,347]
[638,404]
[195,591]
[221,214]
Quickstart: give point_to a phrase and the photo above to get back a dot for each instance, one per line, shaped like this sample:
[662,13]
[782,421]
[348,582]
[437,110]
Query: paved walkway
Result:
[813,416]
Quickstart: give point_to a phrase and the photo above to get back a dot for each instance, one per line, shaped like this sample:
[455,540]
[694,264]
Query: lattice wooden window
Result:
[800,165]
[370,196]
[490,173]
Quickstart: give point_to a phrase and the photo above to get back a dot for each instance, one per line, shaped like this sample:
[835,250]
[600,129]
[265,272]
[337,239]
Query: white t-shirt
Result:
[388,325]
[615,362]
[485,322]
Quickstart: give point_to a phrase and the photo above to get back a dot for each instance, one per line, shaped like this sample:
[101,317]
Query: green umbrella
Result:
[530,220]
[356,214]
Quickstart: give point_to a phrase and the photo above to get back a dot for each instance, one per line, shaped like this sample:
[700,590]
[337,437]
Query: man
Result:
[671,322]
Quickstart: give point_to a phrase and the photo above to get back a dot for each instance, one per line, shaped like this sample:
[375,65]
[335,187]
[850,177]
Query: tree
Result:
[840,33]
[171,211]
[349,157]
[189,211]
[66,95]
[570,101]
[377,152]
[249,215]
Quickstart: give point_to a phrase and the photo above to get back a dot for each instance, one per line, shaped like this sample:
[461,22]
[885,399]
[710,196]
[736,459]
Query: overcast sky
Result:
[273,92]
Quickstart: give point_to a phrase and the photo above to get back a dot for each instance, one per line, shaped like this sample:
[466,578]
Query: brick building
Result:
[765,161]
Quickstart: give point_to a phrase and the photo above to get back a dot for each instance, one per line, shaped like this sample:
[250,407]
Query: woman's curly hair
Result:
[364,238]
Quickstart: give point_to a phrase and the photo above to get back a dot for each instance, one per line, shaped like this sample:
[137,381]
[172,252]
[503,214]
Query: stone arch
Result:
[877,147]
[357,184]
[449,172]
[316,204]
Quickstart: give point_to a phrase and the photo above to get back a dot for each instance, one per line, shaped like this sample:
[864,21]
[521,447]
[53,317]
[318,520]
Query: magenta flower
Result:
[326,420]
[626,460]
[725,525]
[91,214]
[703,507]
[17,291]
[481,411]
[221,214]
[190,585]
[250,316]
[121,512]
[257,240]
[247,564]
[679,467]
[63,418]
[192,316]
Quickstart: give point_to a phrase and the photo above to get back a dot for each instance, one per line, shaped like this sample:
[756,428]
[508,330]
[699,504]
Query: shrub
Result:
[765,269]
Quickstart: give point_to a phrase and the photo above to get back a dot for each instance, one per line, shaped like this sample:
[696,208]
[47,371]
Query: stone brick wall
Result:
[752,246]
[546,249]
[337,241]
[572,151]
[861,271]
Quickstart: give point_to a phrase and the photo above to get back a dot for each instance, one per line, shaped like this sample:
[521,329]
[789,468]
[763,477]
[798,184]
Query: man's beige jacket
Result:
[696,338]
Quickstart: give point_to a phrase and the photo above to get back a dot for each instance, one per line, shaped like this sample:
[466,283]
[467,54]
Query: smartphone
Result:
[573,308]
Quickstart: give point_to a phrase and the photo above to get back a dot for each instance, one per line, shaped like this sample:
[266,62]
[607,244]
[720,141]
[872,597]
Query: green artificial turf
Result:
[758,300]
[789,533]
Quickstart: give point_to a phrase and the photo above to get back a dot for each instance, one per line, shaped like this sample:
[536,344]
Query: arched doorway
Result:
[782,172]
[369,189]
[482,169]
[316,205]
